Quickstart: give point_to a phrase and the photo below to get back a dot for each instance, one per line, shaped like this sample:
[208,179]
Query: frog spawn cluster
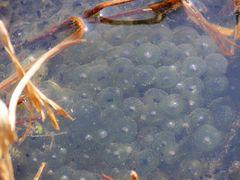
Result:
[147,98]
[146,104]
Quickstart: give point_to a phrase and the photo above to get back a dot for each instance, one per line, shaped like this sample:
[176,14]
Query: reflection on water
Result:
[158,99]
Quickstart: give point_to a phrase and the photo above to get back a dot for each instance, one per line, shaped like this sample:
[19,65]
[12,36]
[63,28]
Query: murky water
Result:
[160,99]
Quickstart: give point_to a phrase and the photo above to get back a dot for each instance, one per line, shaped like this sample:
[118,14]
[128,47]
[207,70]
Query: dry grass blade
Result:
[40,170]
[52,118]
[7,137]
[29,126]
[133,175]
[35,96]
[223,43]
[30,89]
[105,177]
[76,37]
[72,21]
[225,31]
[4,37]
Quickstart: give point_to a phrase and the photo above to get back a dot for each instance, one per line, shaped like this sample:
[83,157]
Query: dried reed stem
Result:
[91,12]
[7,137]
[133,175]
[40,170]
[35,96]
[71,40]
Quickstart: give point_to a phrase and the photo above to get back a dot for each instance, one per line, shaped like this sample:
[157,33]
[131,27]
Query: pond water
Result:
[159,99]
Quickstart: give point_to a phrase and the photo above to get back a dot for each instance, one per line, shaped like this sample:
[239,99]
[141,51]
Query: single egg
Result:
[216,64]
[169,53]
[216,86]
[110,96]
[166,77]
[146,53]
[173,105]
[193,66]
[204,45]
[190,87]
[207,138]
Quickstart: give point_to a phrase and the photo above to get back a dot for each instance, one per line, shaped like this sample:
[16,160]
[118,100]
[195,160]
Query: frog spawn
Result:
[146,92]
[141,107]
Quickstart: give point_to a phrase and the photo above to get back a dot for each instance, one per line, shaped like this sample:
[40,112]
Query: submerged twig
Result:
[95,10]
[40,170]
[162,8]
[132,176]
